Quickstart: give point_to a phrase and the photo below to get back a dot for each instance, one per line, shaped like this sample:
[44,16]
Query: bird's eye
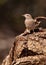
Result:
[27,15]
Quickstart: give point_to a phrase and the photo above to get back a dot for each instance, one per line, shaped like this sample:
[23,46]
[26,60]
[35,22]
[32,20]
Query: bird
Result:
[31,23]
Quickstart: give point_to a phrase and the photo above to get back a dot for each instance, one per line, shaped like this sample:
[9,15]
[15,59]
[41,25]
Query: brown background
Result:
[12,23]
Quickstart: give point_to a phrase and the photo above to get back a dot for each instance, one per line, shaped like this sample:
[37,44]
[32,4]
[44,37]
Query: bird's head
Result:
[27,16]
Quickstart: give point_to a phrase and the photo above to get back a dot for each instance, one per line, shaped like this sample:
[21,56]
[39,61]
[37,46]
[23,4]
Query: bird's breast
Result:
[28,22]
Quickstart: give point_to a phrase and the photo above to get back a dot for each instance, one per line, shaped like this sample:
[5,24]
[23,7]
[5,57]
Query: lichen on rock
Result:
[29,49]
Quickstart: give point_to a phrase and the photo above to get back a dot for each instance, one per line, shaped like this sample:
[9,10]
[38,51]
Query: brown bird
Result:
[31,23]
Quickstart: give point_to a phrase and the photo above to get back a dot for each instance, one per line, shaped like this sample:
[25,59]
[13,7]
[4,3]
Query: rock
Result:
[28,50]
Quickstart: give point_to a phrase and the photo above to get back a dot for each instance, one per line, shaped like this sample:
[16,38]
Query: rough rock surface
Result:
[29,49]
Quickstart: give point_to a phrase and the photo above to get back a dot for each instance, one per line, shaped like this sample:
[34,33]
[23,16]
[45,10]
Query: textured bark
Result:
[29,49]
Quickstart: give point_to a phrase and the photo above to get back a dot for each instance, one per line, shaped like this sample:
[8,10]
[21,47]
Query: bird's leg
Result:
[25,32]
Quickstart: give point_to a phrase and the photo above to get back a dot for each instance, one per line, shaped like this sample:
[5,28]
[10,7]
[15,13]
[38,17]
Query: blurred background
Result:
[12,23]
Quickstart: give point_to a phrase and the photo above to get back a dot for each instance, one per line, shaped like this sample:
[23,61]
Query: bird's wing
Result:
[39,18]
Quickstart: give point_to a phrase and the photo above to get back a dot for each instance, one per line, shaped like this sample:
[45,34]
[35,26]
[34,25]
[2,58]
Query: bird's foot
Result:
[28,31]
[25,32]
